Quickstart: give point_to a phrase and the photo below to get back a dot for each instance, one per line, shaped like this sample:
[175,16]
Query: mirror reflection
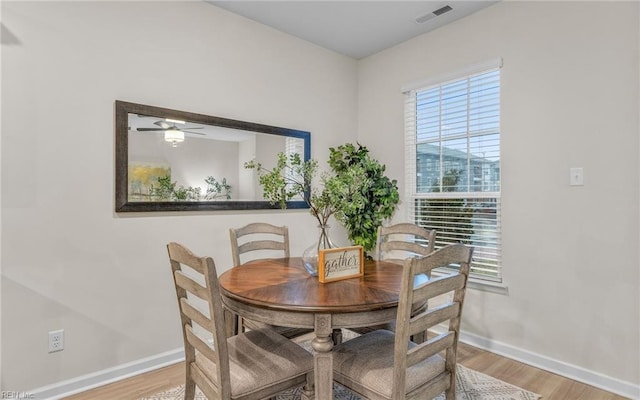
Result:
[182,161]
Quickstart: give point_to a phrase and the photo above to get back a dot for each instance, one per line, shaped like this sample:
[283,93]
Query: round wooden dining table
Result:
[281,292]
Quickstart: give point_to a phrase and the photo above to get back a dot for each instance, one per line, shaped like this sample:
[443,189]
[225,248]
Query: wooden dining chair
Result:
[396,243]
[248,366]
[261,240]
[387,365]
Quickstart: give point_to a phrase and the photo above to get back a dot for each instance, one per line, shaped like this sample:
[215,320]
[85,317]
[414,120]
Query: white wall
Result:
[247,177]
[1,44]
[569,99]
[191,162]
[68,261]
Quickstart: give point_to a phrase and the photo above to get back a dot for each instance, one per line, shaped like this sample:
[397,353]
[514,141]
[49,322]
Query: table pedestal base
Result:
[322,357]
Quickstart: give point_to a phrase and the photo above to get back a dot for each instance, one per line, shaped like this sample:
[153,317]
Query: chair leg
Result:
[232,323]
[189,389]
[308,390]
[336,336]
[418,338]
[450,393]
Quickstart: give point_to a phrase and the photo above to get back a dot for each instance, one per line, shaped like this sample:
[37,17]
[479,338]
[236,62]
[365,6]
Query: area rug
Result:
[470,385]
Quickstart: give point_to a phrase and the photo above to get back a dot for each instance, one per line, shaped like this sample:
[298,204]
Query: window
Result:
[452,131]
[293,146]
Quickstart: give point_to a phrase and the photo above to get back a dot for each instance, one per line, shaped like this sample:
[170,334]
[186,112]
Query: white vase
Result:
[310,254]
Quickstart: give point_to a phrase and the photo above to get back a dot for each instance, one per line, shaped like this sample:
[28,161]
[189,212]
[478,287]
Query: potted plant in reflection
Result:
[166,190]
[356,193]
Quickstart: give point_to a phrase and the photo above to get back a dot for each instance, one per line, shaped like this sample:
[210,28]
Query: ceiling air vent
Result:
[442,10]
[433,14]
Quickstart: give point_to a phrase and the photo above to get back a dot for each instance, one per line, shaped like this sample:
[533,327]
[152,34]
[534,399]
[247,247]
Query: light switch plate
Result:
[576,176]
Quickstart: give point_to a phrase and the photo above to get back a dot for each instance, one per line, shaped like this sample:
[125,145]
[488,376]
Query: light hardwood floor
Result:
[549,385]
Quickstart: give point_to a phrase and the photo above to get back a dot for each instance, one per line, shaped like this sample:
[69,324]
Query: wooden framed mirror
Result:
[170,160]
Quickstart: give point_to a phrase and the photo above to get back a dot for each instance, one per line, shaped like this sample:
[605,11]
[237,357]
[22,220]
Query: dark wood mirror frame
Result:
[122,204]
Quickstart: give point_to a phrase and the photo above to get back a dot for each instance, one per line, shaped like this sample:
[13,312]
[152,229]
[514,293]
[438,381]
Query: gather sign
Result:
[340,263]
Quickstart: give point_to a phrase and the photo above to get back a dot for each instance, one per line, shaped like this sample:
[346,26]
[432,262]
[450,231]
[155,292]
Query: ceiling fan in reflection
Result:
[172,133]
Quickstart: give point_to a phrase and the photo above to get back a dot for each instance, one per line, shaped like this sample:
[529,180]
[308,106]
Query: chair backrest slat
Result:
[438,286]
[395,243]
[433,317]
[409,247]
[259,237]
[195,315]
[261,245]
[429,348]
[191,286]
[182,255]
[200,345]
[209,388]
[258,227]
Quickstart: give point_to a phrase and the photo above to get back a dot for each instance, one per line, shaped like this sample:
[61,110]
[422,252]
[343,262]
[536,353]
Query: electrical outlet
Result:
[56,340]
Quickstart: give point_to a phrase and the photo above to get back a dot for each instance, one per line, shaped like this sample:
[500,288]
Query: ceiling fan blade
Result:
[170,128]
[162,124]
[195,133]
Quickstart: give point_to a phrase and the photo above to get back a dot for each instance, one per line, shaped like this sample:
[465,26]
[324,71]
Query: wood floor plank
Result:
[550,386]
[138,386]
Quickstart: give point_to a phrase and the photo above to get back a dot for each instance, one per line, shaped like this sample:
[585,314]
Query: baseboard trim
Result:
[576,373]
[90,381]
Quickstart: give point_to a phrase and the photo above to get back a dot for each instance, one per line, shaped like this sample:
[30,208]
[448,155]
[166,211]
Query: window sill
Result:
[488,286]
[483,285]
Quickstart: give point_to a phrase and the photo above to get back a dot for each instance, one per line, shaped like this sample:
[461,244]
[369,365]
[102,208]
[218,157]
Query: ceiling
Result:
[353,28]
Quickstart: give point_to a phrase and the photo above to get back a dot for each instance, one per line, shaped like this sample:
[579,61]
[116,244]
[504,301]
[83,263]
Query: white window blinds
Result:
[452,142]
[293,146]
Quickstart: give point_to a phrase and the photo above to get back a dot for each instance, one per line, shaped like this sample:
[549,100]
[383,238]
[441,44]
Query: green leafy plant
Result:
[357,193]
[370,198]
[166,190]
[290,178]
[217,190]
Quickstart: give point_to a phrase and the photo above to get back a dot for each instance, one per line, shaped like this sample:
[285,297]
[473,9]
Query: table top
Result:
[284,284]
